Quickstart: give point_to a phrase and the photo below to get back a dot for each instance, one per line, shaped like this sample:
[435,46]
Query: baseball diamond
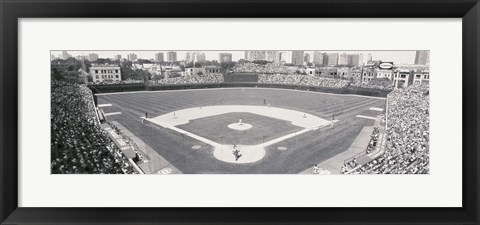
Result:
[288,132]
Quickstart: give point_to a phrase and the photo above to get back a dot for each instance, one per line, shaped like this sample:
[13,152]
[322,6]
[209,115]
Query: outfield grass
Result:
[302,151]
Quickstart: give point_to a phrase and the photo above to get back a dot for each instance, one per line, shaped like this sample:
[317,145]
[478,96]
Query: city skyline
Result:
[398,57]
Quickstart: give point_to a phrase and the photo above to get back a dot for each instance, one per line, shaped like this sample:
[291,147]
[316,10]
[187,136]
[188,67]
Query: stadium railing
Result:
[94,106]
[386,112]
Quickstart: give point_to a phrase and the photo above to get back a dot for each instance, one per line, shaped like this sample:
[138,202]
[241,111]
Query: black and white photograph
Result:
[306,112]
[239,112]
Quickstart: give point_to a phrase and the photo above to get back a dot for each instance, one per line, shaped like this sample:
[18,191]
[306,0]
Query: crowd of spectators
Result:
[78,144]
[194,79]
[379,84]
[268,68]
[407,143]
[303,80]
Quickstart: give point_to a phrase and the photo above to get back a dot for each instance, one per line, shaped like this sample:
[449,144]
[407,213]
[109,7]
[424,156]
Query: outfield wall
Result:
[143,87]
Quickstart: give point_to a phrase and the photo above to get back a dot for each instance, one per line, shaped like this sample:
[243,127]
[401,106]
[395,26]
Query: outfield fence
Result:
[104,88]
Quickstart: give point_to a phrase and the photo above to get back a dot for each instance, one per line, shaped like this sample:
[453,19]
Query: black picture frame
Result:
[12,10]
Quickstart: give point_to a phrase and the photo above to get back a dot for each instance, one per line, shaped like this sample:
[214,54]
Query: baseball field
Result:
[276,131]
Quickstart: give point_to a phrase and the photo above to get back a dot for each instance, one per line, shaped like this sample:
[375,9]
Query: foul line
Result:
[366,117]
[113,113]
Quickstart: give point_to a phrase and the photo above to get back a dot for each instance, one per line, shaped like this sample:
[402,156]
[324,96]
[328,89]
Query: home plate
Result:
[323,171]
[282,148]
[196,147]
[165,171]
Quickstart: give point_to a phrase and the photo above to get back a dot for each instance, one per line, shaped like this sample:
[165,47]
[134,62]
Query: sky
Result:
[398,57]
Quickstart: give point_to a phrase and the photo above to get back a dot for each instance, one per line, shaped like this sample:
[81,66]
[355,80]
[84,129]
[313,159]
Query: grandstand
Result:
[241,77]
[78,142]
[407,132]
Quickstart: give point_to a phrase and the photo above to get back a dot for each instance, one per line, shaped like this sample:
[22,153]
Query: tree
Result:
[143,61]
[127,71]
[71,76]
[158,77]
[56,74]
[260,62]
[172,75]
[72,68]
[227,65]
[243,61]
[142,75]
[103,61]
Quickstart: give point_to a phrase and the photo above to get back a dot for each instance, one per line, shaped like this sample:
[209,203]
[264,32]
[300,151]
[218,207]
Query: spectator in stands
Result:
[407,143]
[194,79]
[307,80]
[78,144]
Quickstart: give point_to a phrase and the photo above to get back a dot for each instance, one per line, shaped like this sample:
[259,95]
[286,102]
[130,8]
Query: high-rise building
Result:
[65,55]
[132,57]
[343,59]
[354,60]
[191,56]
[225,57]
[325,58]
[283,57]
[172,56]
[92,57]
[297,57]
[318,58]
[422,57]
[159,57]
[369,57]
[117,57]
[273,56]
[332,59]
[201,57]
[306,58]
[255,55]
[360,60]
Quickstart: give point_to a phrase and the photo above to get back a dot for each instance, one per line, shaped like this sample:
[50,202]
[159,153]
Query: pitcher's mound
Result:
[238,126]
